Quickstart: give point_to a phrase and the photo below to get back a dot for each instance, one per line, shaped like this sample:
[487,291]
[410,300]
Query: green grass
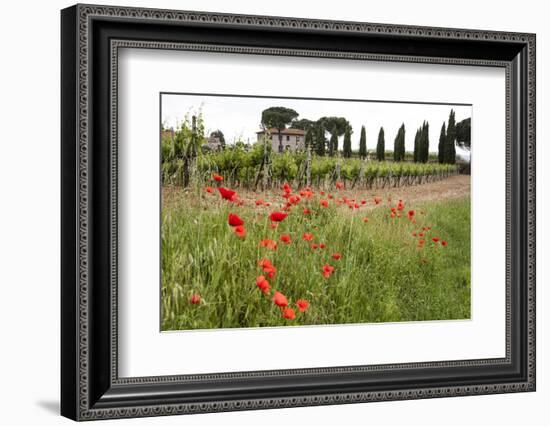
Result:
[382,276]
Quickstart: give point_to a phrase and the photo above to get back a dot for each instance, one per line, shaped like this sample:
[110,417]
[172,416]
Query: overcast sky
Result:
[239,117]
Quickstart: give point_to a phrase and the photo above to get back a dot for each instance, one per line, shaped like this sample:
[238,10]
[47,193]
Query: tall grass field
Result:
[331,257]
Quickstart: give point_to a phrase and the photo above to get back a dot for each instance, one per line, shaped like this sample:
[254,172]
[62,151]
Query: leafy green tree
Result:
[380,146]
[424,145]
[442,145]
[303,124]
[450,151]
[399,144]
[463,131]
[337,126]
[309,139]
[416,145]
[320,140]
[347,143]
[279,118]
[363,143]
[333,142]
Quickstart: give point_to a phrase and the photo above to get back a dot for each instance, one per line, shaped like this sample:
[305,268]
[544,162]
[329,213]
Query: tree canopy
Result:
[380,146]
[363,143]
[279,118]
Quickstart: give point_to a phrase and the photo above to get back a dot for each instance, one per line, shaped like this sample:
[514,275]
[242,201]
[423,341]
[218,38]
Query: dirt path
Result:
[453,187]
[450,188]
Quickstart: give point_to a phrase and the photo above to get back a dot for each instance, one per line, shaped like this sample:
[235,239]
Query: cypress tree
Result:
[309,139]
[333,143]
[442,143]
[416,146]
[363,143]
[380,146]
[399,144]
[347,143]
[425,142]
[450,150]
[320,141]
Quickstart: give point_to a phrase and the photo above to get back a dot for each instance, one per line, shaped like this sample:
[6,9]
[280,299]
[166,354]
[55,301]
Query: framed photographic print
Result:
[263,212]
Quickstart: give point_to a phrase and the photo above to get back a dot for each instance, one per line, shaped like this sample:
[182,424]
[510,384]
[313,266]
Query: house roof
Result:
[274,131]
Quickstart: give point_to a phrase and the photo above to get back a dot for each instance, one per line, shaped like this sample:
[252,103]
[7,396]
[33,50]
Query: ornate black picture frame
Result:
[91,36]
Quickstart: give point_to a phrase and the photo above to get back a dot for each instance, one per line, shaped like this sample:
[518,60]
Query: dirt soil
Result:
[450,188]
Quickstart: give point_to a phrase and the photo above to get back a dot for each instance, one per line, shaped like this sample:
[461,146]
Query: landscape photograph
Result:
[282,211]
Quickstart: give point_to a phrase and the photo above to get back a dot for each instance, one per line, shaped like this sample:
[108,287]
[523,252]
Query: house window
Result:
[287,137]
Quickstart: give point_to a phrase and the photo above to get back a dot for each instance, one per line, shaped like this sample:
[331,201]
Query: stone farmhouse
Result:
[293,139]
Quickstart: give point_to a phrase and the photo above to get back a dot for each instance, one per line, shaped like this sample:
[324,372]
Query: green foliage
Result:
[337,125]
[363,143]
[399,144]
[416,145]
[463,131]
[333,143]
[380,146]
[450,150]
[279,118]
[347,143]
[381,277]
[442,144]
[320,139]
[424,143]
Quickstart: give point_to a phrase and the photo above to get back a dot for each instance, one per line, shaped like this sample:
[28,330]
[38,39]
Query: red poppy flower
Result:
[339,185]
[287,188]
[270,244]
[240,231]
[377,200]
[392,215]
[314,246]
[426,228]
[307,236]
[400,205]
[410,214]
[267,267]
[327,270]
[217,177]
[444,243]
[435,239]
[302,305]
[322,192]
[209,189]
[277,216]
[322,246]
[414,234]
[285,238]
[234,220]
[324,203]
[267,204]
[421,243]
[365,219]
[288,313]
[421,234]
[227,194]
[259,202]
[263,284]
[195,299]
[307,211]
[294,199]
[280,300]
[336,256]
[330,196]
